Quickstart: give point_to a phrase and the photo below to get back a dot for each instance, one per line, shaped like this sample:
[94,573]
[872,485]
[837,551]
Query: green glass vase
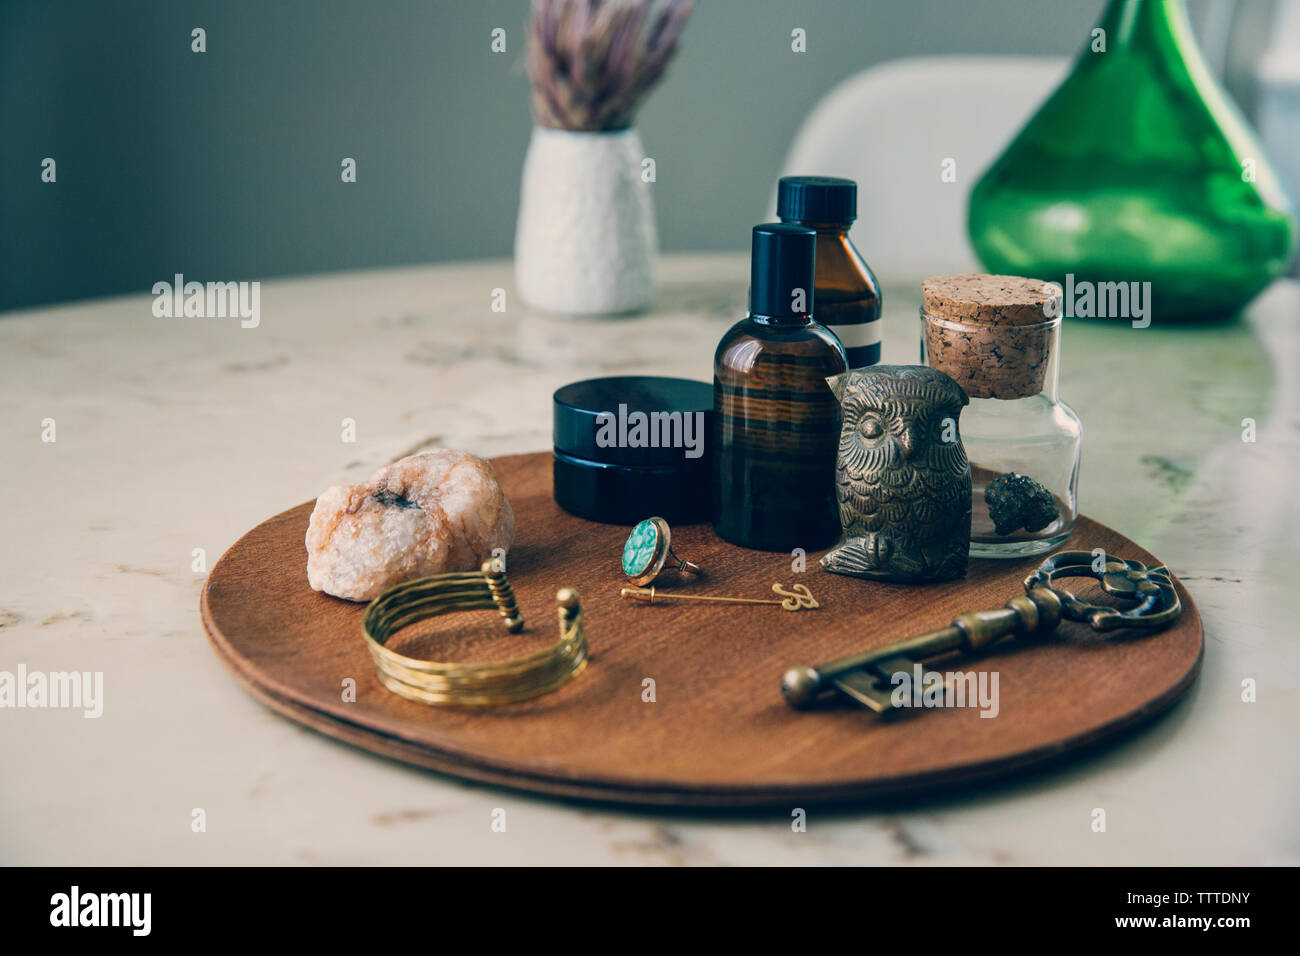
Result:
[1138,169]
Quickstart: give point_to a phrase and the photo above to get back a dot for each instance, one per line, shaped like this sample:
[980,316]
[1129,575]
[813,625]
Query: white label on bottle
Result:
[859,335]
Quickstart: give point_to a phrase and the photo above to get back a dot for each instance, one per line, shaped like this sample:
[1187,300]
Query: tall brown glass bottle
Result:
[848,295]
[776,422]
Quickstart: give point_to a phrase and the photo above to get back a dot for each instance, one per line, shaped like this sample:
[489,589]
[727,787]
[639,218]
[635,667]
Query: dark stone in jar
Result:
[1017,501]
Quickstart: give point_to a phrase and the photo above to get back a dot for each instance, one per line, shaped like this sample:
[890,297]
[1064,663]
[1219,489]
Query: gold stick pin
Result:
[797,597]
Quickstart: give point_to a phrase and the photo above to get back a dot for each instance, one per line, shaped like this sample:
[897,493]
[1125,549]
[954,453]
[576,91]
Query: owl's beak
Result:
[908,441]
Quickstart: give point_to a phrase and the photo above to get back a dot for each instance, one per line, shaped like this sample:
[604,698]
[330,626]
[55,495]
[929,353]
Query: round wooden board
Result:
[718,733]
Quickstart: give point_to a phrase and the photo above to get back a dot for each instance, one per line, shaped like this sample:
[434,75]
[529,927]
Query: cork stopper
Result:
[993,335]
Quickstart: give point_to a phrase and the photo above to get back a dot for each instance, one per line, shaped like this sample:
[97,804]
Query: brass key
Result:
[867,678]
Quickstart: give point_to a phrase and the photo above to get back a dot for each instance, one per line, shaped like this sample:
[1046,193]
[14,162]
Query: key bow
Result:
[1152,588]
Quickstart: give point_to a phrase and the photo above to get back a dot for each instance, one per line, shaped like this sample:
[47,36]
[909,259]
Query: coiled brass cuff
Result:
[471,684]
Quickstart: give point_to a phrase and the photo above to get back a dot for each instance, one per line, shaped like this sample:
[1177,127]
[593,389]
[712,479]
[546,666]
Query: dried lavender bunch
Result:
[593,61]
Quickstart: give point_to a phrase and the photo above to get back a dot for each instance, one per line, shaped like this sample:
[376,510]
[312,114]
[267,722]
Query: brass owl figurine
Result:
[902,477]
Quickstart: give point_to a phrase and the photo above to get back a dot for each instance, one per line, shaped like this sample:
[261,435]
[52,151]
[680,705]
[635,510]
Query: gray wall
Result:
[225,165]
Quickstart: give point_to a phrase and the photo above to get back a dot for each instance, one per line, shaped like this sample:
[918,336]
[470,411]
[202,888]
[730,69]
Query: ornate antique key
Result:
[867,678]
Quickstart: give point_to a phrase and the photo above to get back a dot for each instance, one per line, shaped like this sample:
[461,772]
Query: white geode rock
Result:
[436,511]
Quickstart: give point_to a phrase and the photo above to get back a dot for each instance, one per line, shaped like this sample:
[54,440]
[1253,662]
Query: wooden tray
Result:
[718,733]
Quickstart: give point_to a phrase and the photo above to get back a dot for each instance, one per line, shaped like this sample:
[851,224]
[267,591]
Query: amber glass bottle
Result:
[848,295]
[776,422]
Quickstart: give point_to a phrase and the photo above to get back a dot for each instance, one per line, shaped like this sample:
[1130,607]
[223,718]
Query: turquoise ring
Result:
[649,553]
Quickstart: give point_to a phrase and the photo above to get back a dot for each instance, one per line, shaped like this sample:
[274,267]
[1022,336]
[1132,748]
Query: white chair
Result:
[893,127]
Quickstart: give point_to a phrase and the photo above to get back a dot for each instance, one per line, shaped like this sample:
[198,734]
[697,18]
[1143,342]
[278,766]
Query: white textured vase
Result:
[586,240]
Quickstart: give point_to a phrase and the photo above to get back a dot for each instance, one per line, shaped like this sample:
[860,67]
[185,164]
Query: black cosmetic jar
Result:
[631,446]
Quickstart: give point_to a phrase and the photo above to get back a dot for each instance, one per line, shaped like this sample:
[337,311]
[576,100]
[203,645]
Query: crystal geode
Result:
[430,513]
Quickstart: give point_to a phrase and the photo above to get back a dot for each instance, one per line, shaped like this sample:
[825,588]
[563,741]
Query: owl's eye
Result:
[870,427]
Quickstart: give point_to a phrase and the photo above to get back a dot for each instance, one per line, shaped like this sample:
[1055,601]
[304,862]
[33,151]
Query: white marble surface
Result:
[175,434]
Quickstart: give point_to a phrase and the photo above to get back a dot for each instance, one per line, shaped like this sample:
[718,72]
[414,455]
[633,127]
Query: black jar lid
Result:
[635,420]
[823,199]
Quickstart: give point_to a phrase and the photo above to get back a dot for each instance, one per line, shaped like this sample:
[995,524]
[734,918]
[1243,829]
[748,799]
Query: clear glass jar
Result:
[1015,425]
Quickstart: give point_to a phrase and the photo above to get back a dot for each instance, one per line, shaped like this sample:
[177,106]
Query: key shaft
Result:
[1032,614]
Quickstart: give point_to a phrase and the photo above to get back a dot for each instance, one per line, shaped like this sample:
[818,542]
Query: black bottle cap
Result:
[781,270]
[817,199]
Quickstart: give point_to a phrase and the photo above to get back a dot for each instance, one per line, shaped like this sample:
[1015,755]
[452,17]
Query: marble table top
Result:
[177,434]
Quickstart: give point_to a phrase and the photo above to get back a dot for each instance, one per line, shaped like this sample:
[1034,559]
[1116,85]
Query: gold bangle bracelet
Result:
[471,684]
